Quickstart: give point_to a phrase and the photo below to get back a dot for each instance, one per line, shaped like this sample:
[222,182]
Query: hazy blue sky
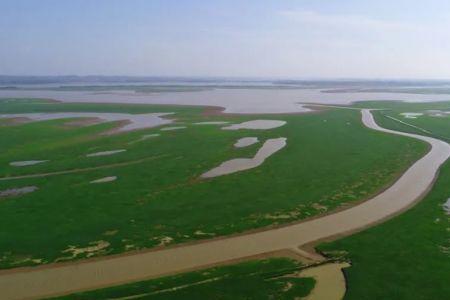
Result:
[317,38]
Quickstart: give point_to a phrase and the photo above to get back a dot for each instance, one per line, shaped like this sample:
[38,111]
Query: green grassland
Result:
[407,257]
[260,279]
[437,126]
[330,160]
[404,258]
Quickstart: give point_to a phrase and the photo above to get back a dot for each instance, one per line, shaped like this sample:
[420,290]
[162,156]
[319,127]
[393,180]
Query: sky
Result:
[275,39]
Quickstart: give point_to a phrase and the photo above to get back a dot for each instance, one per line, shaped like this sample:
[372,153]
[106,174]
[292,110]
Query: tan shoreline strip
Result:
[30,283]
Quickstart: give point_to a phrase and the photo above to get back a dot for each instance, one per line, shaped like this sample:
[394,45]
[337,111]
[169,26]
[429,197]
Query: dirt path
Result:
[27,283]
[410,125]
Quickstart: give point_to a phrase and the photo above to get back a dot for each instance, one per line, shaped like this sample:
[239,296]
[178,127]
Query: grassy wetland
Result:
[408,256]
[158,198]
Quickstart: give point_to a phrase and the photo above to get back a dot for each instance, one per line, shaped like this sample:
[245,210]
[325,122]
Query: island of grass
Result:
[158,197]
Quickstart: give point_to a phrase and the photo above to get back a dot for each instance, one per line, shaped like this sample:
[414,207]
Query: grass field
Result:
[260,279]
[436,125]
[404,258]
[407,257]
[330,160]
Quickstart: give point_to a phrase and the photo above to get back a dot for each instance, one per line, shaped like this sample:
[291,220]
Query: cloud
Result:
[341,21]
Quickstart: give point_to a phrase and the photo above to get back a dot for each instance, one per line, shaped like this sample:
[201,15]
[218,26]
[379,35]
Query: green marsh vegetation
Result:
[436,125]
[407,257]
[331,160]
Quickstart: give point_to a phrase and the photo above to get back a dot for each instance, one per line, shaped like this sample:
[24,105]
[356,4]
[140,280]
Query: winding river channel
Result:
[56,279]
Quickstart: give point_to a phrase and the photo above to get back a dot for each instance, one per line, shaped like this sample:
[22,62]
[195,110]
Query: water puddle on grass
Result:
[145,137]
[411,115]
[104,179]
[446,206]
[173,128]
[240,164]
[18,191]
[212,123]
[245,142]
[132,122]
[330,281]
[105,153]
[438,113]
[26,163]
[256,124]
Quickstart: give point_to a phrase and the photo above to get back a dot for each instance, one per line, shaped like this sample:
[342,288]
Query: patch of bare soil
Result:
[89,251]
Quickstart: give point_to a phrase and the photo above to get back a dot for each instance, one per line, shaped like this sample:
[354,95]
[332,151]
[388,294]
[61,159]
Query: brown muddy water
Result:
[330,281]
